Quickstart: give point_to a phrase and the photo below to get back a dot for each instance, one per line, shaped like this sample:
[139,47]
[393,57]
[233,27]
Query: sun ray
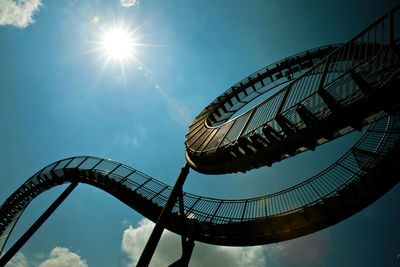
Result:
[118,44]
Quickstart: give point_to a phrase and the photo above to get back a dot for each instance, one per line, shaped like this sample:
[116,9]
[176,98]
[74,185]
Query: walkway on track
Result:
[329,92]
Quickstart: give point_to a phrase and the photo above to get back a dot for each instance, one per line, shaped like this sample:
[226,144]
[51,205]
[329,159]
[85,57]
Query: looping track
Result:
[351,87]
[328,92]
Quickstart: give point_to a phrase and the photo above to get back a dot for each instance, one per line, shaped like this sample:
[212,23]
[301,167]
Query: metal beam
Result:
[28,234]
[364,86]
[187,249]
[187,243]
[11,230]
[158,229]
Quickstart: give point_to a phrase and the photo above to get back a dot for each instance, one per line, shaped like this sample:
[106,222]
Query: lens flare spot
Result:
[306,250]
[179,112]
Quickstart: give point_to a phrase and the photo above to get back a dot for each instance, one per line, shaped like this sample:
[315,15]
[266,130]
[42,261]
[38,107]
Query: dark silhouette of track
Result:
[330,91]
[360,177]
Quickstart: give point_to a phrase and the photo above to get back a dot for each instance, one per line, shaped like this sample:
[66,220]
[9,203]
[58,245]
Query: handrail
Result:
[157,191]
[213,134]
[148,195]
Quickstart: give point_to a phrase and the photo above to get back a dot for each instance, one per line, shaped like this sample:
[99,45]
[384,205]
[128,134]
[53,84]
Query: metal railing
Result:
[373,145]
[332,73]
[355,163]
[332,70]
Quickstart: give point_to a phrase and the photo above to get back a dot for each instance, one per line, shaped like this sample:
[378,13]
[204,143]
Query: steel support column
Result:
[158,229]
[187,249]
[28,234]
[187,243]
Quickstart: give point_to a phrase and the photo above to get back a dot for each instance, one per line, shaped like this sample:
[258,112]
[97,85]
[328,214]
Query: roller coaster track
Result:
[329,92]
[358,178]
[352,85]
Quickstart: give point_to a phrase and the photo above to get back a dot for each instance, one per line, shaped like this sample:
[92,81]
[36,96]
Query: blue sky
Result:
[60,98]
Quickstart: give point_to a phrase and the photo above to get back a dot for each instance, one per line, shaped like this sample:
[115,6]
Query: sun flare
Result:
[118,44]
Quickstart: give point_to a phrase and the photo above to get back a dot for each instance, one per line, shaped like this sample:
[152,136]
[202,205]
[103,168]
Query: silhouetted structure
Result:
[330,92]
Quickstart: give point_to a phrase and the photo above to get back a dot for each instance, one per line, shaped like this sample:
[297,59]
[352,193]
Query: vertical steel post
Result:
[158,229]
[28,234]
[324,72]
[390,28]
[283,101]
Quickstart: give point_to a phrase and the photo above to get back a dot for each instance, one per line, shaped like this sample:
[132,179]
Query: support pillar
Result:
[187,249]
[28,234]
[187,243]
[158,229]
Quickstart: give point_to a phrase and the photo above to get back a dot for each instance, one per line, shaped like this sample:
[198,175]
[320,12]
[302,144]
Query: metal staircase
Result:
[329,92]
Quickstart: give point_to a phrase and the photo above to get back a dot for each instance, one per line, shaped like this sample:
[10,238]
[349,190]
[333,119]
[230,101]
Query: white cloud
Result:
[18,260]
[18,13]
[62,257]
[129,3]
[169,250]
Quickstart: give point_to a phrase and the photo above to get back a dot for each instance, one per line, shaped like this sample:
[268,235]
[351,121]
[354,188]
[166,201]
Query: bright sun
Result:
[118,44]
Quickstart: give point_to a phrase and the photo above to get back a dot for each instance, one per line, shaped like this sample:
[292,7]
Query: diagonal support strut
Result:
[158,229]
[28,234]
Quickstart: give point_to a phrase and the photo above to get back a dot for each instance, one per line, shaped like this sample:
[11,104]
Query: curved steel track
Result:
[358,178]
[328,92]
[354,85]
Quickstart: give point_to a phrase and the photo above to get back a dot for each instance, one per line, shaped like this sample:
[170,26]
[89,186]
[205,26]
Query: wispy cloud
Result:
[18,260]
[168,250]
[62,257]
[126,222]
[132,139]
[18,13]
[129,3]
